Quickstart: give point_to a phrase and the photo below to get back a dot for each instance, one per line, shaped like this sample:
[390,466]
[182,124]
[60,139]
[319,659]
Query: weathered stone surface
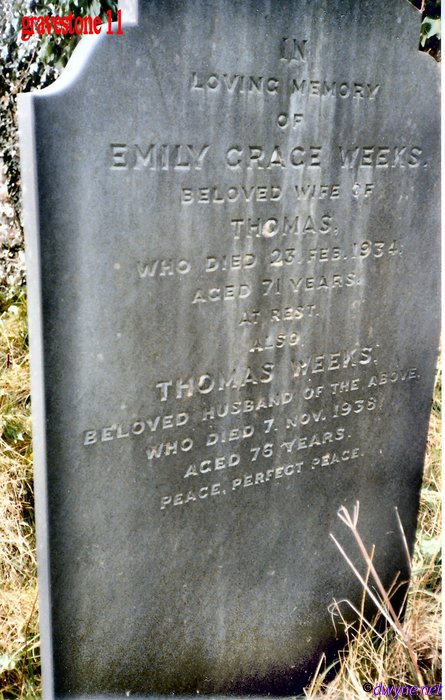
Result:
[232,246]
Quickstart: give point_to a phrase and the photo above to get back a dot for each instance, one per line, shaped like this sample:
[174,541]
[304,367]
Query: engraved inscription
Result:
[235,84]
[156,157]
[292,49]
[282,243]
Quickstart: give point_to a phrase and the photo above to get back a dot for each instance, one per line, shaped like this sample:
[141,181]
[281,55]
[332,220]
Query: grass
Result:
[407,653]
[19,657]
[370,656]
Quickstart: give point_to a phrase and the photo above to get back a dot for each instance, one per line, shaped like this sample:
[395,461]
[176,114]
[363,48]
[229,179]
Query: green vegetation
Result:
[430,27]
[30,65]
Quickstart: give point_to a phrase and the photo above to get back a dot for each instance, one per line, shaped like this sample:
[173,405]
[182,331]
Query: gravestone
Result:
[232,246]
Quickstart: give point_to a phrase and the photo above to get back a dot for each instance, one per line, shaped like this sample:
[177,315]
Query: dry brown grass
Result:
[19,663]
[373,657]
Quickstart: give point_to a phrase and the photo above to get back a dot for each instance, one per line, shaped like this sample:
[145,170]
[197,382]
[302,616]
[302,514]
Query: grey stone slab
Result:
[233,262]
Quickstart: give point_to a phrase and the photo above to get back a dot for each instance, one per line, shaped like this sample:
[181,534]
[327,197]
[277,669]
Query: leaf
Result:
[430,547]
[7,663]
[430,27]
